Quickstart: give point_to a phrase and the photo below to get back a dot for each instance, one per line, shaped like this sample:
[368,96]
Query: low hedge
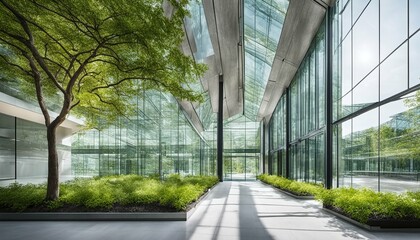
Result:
[104,192]
[366,204]
[297,188]
[359,204]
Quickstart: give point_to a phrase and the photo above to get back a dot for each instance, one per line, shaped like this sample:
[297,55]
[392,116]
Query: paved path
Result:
[233,210]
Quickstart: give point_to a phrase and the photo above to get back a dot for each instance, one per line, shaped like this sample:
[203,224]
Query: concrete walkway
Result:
[233,210]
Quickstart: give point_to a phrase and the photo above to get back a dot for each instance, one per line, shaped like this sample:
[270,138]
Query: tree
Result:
[96,54]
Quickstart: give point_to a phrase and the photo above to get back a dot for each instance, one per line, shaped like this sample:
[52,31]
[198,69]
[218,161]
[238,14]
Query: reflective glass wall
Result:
[375,94]
[241,148]
[158,139]
[24,150]
[375,101]
[306,101]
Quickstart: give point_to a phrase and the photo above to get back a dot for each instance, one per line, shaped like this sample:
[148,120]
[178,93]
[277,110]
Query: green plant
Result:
[297,188]
[176,192]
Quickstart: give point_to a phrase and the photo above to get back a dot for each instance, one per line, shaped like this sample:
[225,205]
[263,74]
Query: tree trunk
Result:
[53,189]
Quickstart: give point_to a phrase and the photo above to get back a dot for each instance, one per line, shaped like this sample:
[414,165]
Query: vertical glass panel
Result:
[394,73]
[358,7]
[346,80]
[367,91]
[366,42]
[363,163]
[320,159]
[399,144]
[7,147]
[414,54]
[393,25]
[346,16]
[344,154]
[414,21]
[320,77]
[32,154]
[312,110]
[312,159]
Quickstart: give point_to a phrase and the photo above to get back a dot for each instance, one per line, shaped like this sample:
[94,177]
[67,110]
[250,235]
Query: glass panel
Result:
[358,7]
[320,159]
[414,21]
[344,153]
[394,73]
[367,91]
[346,16]
[399,144]
[366,42]
[262,27]
[393,25]
[414,59]
[363,163]
[7,147]
[32,154]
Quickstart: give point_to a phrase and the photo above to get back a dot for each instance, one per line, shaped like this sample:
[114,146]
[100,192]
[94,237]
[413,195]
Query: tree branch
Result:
[38,87]
[127,79]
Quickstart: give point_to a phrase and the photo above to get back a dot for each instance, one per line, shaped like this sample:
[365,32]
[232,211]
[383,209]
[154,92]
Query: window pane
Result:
[393,25]
[366,42]
[414,59]
[394,73]
[367,91]
[399,144]
[7,146]
[414,10]
[364,151]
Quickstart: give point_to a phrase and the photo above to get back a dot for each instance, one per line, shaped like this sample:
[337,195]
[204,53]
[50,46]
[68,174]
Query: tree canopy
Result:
[95,54]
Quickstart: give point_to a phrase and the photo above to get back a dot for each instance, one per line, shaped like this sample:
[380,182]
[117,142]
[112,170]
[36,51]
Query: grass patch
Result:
[103,193]
[294,187]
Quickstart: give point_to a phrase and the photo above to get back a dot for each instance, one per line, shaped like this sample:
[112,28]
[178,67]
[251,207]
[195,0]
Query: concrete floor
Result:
[232,210]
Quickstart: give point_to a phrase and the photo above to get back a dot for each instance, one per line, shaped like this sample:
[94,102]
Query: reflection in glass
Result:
[7,147]
[399,144]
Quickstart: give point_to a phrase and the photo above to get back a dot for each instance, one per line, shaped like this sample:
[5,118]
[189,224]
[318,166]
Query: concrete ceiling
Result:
[224,24]
[303,18]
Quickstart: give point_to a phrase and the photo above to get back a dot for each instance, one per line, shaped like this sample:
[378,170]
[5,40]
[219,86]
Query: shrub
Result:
[297,188]
[104,192]
[18,197]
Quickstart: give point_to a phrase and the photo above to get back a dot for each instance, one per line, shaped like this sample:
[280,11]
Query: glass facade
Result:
[306,101]
[23,149]
[158,140]
[375,101]
[263,22]
[241,148]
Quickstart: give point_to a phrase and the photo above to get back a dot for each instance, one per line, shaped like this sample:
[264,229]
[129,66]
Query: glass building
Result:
[316,91]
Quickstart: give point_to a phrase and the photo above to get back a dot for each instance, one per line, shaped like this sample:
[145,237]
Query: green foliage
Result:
[96,55]
[19,197]
[103,192]
[363,204]
[297,188]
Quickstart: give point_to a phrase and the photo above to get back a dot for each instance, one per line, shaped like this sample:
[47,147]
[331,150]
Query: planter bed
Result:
[289,193]
[384,224]
[176,199]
